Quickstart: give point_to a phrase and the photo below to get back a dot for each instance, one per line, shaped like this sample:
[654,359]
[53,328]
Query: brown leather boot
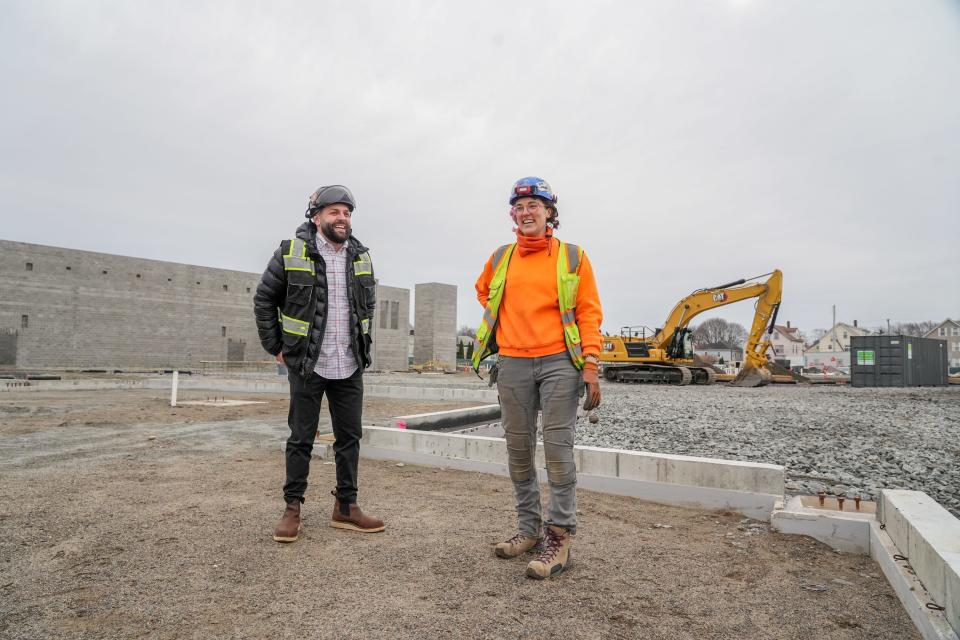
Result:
[517,545]
[289,528]
[352,518]
[555,556]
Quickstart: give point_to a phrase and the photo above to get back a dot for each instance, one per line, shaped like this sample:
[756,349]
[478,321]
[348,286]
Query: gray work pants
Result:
[549,384]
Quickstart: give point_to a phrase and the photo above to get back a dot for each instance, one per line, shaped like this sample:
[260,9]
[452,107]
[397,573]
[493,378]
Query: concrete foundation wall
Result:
[929,536]
[844,531]
[80,309]
[435,324]
[749,488]
[391,329]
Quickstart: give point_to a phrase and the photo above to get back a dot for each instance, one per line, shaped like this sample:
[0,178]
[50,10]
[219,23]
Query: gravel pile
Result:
[834,439]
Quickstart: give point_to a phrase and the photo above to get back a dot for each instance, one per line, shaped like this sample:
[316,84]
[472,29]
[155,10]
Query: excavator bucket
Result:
[752,376]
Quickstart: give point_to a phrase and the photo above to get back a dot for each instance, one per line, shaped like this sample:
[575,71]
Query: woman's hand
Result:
[590,378]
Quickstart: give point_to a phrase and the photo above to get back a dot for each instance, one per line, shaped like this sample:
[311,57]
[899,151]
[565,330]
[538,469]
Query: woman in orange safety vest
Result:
[542,313]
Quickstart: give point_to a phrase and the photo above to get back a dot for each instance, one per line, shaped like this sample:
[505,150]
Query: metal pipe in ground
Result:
[173,388]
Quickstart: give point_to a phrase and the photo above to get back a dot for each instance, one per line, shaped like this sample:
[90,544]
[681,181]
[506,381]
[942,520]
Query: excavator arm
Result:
[707,299]
[754,372]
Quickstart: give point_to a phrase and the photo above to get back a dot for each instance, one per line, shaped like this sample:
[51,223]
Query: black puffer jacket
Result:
[301,353]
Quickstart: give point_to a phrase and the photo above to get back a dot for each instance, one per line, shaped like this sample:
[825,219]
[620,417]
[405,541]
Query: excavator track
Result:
[704,376]
[650,373]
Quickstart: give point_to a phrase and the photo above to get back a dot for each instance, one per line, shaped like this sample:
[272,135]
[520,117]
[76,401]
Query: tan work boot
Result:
[555,556]
[516,546]
[289,528]
[352,518]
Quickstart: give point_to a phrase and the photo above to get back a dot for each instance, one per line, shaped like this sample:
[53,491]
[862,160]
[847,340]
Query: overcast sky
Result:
[690,143]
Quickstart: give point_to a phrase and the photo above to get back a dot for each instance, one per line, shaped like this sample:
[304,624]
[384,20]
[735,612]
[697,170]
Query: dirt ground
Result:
[107,533]
[28,411]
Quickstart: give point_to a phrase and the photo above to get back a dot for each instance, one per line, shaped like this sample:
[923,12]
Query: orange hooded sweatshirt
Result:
[529,323]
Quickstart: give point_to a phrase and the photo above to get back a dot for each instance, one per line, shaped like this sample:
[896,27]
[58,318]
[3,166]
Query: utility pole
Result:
[888,326]
[833,329]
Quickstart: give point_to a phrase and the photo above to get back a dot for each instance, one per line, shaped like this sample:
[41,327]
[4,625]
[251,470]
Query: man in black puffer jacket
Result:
[313,306]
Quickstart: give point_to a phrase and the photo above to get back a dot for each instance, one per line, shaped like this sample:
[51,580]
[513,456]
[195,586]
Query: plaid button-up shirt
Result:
[336,360]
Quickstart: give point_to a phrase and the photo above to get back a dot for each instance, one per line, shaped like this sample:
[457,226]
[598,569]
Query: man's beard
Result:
[335,234]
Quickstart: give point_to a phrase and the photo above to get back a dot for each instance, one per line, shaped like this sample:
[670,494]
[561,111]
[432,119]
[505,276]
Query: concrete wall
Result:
[435,324]
[749,488]
[8,346]
[929,536]
[96,310]
[391,329]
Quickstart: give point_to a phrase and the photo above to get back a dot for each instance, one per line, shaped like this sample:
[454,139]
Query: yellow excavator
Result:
[666,355]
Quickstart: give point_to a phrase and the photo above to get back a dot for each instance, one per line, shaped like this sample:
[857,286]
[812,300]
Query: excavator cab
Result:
[681,345]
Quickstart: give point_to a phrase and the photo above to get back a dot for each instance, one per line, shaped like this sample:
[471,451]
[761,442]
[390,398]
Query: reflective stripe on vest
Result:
[568,282]
[295,259]
[500,260]
[294,326]
[365,325]
[363,265]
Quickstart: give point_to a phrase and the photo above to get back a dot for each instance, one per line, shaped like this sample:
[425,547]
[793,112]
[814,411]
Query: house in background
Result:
[948,331]
[837,338]
[832,350]
[720,352]
[786,344]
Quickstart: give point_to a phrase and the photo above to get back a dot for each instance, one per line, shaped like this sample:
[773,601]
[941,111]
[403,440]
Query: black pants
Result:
[345,399]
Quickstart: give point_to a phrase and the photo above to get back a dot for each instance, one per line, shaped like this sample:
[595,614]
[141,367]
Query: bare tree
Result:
[716,330]
[918,329]
[467,331]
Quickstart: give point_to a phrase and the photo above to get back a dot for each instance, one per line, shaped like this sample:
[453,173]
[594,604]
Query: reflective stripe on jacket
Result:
[290,304]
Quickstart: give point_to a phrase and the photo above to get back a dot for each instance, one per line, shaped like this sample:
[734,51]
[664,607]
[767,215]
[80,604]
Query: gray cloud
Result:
[690,144]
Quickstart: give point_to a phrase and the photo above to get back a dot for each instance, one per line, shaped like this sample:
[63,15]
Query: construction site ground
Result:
[123,518]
